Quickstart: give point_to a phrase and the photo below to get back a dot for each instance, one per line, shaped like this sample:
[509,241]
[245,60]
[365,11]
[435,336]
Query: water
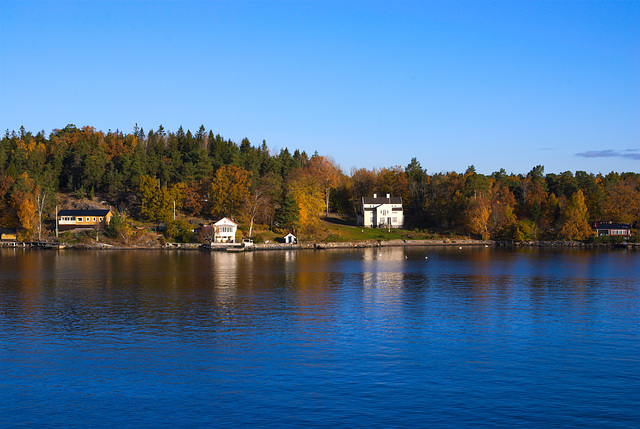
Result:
[375,338]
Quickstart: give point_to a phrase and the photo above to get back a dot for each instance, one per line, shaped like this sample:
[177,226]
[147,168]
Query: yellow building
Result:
[92,218]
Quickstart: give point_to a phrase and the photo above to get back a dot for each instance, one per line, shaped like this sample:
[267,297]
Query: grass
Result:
[331,231]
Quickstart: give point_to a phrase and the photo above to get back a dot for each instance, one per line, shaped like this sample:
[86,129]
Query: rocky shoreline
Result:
[345,245]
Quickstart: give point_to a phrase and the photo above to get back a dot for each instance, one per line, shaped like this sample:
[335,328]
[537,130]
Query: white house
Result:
[381,212]
[290,239]
[224,231]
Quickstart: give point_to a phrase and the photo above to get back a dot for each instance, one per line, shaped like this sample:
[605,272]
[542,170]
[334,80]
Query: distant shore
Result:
[334,245]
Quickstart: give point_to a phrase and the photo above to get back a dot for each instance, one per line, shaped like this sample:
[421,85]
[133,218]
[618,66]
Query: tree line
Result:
[151,175]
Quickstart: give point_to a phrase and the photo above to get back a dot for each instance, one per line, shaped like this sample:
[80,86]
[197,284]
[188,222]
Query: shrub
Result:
[119,228]
[179,230]
[605,239]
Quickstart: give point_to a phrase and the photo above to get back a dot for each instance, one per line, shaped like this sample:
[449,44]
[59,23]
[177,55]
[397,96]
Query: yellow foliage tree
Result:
[309,194]
[478,213]
[326,173]
[623,202]
[159,203]
[229,189]
[23,201]
[575,219]
[502,220]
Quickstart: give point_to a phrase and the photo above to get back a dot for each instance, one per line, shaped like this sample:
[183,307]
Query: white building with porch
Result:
[224,231]
[381,212]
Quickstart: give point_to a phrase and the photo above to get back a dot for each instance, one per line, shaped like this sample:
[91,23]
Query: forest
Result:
[149,176]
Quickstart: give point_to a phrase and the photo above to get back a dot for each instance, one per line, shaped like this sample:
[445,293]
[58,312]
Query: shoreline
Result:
[328,245]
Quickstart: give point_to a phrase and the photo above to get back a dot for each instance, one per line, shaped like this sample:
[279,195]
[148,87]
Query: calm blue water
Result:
[375,338]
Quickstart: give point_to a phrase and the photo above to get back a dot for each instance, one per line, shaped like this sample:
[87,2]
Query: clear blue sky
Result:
[507,84]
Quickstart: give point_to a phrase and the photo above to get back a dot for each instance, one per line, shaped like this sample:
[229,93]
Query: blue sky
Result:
[507,84]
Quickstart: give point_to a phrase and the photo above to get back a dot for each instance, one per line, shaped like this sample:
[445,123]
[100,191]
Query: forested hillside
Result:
[143,174]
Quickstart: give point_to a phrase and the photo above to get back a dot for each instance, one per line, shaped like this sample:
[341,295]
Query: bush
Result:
[179,230]
[119,228]
[605,239]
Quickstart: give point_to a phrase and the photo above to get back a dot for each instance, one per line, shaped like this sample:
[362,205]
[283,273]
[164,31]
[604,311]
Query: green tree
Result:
[288,215]
[119,227]
[179,230]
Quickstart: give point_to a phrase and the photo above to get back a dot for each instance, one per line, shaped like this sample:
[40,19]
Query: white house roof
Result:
[289,235]
[225,221]
[382,200]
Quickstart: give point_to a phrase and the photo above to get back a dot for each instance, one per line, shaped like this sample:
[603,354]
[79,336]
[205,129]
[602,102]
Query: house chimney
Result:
[388,195]
[375,195]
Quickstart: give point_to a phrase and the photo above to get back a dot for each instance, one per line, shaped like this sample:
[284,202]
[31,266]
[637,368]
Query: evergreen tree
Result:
[288,215]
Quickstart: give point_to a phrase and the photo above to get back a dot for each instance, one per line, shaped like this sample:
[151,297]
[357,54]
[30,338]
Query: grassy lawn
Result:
[335,230]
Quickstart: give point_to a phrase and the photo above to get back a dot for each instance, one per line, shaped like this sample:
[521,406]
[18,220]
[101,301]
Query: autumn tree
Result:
[575,224]
[23,200]
[197,196]
[478,212]
[229,189]
[393,181]
[309,195]
[502,220]
[622,203]
[159,202]
[326,173]
[260,203]
[362,184]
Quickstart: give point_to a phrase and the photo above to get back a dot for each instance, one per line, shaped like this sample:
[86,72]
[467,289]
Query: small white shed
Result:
[290,239]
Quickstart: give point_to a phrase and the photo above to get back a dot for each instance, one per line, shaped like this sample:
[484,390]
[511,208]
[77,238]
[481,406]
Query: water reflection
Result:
[408,335]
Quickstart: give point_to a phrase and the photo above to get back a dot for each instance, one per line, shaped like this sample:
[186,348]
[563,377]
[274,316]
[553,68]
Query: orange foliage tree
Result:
[623,201]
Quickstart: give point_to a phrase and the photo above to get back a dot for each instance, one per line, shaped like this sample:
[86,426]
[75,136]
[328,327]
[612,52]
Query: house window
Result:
[87,218]
[395,220]
[100,219]
[79,219]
